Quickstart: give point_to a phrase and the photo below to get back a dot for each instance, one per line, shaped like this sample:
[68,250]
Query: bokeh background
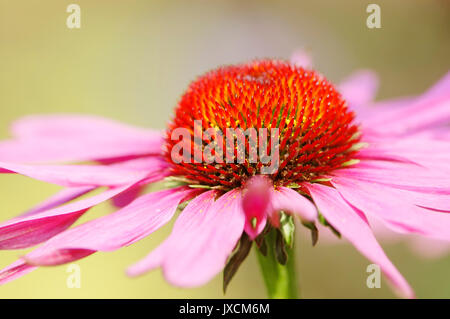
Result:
[131,60]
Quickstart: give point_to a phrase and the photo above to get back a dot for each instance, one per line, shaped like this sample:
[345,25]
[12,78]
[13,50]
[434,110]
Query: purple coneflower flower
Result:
[338,160]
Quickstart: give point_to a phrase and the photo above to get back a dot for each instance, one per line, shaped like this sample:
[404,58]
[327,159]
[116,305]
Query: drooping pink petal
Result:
[77,175]
[288,200]
[442,134]
[152,261]
[423,246]
[73,126]
[17,269]
[427,111]
[422,149]
[253,229]
[418,143]
[359,90]
[355,228]
[440,88]
[92,175]
[62,197]
[184,225]
[437,202]
[394,207]
[21,232]
[421,195]
[32,229]
[256,203]
[370,154]
[75,138]
[399,175]
[127,197]
[52,151]
[429,248]
[433,201]
[149,163]
[137,220]
[203,237]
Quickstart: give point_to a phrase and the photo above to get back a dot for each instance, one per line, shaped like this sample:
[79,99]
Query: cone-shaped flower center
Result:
[280,117]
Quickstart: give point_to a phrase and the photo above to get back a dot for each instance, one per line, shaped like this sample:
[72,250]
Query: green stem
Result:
[280,280]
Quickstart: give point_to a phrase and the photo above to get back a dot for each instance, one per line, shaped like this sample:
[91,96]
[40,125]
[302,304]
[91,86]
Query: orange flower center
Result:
[316,131]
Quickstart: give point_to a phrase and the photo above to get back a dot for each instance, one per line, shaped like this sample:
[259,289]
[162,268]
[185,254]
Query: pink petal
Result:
[17,269]
[73,126]
[62,197]
[127,197]
[77,175]
[355,228]
[424,246]
[140,218]
[152,261]
[427,111]
[199,205]
[398,175]
[430,248]
[74,138]
[438,202]
[32,229]
[29,151]
[412,144]
[190,219]
[394,207]
[420,149]
[256,203]
[254,231]
[13,234]
[288,200]
[359,90]
[203,237]
[157,168]
[302,59]
[440,134]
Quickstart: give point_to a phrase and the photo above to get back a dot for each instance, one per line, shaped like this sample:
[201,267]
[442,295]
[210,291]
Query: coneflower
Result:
[335,162]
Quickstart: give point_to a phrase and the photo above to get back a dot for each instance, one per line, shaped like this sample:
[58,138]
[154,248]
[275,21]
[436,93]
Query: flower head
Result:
[317,133]
[335,154]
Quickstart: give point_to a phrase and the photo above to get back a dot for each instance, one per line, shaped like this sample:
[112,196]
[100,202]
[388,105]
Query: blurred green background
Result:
[131,60]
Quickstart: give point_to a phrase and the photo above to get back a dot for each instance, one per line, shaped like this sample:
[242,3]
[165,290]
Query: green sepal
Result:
[287,228]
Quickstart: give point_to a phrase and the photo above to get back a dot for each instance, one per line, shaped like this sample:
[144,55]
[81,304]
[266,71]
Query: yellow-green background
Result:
[131,60]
